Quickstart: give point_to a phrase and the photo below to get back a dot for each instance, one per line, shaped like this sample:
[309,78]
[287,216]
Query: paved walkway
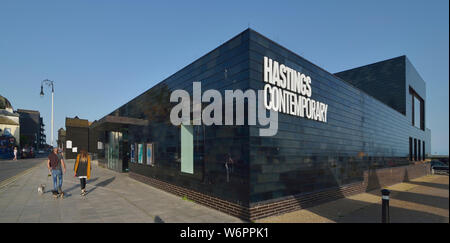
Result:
[112,197]
[425,199]
[10,168]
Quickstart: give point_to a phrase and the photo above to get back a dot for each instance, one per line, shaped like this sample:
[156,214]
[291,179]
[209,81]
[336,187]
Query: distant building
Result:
[9,120]
[32,128]
[61,138]
[9,128]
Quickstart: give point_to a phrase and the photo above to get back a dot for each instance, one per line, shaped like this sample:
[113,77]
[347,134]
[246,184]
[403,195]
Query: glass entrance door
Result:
[113,151]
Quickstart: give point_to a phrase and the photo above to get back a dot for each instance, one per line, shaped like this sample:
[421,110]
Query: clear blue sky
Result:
[101,54]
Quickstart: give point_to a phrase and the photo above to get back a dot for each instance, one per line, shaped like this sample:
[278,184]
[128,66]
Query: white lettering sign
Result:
[288,91]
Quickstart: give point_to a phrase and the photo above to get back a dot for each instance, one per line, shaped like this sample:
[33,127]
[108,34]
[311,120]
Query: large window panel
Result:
[187,149]
[417,112]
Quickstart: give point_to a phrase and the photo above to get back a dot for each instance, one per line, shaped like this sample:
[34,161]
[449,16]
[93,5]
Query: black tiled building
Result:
[375,120]
[76,136]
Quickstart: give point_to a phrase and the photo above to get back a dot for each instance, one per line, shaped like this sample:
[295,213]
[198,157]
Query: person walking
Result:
[54,163]
[229,166]
[82,169]
[15,153]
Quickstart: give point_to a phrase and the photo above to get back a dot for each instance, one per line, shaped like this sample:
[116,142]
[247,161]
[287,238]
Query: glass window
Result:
[415,149]
[410,149]
[187,149]
[140,153]
[423,150]
[150,159]
[417,113]
[132,153]
[419,150]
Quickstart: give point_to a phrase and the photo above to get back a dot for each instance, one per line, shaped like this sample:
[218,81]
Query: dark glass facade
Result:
[146,120]
[362,132]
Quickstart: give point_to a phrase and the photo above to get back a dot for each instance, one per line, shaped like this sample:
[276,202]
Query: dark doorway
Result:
[410,148]
[415,149]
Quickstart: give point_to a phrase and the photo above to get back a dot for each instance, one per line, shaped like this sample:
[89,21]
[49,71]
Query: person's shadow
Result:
[66,192]
[158,219]
[101,184]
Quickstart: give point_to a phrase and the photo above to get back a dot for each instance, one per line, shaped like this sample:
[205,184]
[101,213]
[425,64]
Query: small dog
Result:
[41,189]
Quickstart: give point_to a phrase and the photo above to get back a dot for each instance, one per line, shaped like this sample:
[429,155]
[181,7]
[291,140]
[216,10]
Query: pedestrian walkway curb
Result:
[12,179]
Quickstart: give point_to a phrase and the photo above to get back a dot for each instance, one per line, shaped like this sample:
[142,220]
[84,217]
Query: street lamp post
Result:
[49,83]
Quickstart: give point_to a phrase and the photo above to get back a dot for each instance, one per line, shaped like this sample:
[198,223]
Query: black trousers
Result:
[83,183]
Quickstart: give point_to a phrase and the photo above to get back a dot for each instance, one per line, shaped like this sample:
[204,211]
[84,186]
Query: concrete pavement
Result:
[422,200]
[112,197]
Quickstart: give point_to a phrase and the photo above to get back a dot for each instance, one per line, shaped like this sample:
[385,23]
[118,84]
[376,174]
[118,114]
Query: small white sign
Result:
[99,145]
[68,144]
[74,150]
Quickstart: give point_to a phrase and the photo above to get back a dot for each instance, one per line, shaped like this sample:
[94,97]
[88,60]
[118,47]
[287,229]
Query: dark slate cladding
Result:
[416,82]
[226,67]
[80,139]
[306,156]
[383,80]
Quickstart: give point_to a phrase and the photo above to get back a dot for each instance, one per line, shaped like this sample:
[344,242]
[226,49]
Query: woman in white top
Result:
[15,153]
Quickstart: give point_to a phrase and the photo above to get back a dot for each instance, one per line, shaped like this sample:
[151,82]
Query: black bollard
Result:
[385,206]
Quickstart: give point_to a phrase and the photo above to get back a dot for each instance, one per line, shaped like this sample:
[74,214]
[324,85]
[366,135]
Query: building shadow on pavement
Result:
[102,184]
[346,210]
[371,213]
[105,182]
[419,198]
[365,212]
[430,184]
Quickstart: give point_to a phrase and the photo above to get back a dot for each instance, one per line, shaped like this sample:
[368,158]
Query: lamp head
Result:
[42,91]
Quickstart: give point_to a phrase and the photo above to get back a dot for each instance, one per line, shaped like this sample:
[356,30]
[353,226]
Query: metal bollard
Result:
[385,206]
